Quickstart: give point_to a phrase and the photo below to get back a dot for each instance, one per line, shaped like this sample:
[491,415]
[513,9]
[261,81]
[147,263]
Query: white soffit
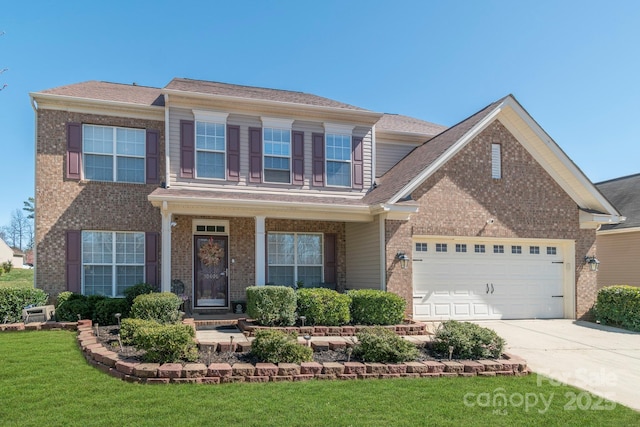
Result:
[339,129]
[271,122]
[210,116]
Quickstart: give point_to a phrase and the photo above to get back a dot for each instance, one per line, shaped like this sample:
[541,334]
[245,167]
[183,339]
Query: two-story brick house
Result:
[223,186]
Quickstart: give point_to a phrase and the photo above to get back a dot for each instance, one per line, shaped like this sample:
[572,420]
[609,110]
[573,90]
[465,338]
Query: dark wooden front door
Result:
[210,271]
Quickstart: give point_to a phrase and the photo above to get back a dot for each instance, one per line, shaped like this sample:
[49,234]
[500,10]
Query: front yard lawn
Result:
[17,278]
[44,380]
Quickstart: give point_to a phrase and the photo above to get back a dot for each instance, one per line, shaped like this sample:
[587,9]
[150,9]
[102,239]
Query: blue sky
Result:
[574,65]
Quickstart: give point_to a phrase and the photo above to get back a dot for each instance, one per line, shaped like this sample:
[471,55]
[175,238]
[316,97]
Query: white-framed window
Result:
[461,247]
[338,160]
[441,247]
[534,250]
[479,249]
[421,247]
[498,249]
[496,161]
[552,250]
[516,249]
[277,155]
[111,262]
[210,144]
[294,257]
[114,154]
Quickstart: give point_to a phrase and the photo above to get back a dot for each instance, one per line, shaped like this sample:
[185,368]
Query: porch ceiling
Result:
[273,205]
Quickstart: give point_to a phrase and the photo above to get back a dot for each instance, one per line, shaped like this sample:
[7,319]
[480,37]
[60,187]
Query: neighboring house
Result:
[224,186]
[619,244]
[14,255]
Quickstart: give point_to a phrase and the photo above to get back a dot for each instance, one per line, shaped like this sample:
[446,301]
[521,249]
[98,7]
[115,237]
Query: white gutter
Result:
[90,101]
[167,176]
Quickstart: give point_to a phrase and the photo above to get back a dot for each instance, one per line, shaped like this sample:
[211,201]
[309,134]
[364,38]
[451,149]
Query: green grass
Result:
[44,380]
[17,278]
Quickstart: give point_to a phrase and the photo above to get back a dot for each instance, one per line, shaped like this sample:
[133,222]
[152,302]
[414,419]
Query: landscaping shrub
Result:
[619,305]
[469,341]
[166,343]
[106,309]
[14,300]
[381,345]
[161,307]
[7,266]
[132,292]
[375,307]
[128,328]
[70,305]
[274,346]
[271,305]
[323,307]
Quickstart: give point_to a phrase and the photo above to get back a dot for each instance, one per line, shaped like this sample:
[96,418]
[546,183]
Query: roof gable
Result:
[401,180]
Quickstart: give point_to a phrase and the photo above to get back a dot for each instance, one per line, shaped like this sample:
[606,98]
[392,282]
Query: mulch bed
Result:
[108,336]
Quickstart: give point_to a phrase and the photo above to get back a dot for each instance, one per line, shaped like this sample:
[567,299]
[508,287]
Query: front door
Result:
[210,271]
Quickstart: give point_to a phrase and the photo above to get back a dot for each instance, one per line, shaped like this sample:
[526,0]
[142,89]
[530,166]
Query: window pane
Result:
[309,249]
[277,176]
[97,279]
[129,248]
[98,168]
[210,136]
[97,247]
[97,139]
[281,249]
[310,275]
[338,147]
[130,142]
[127,276]
[130,169]
[280,275]
[339,173]
[210,165]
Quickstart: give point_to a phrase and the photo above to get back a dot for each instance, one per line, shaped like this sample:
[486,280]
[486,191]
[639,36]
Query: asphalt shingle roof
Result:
[421,157]
[106,91]
[400,123]
[624,194]
[252,92]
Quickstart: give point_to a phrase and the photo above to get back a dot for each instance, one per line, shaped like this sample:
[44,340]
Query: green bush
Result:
[619,306]
[323,306]
[381,345]
[161,307]
[132,292]
[70,305]
[469,341]
[375,307]
[7,266]
[129,326]
[106,309]
[166,343]
[271,305]
[274,346]
[14,300]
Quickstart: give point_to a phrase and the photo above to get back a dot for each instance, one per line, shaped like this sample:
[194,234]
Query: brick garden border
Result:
[113,364]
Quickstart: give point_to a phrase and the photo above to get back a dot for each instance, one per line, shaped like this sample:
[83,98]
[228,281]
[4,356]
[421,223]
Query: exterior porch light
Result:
[593,262]
[404,260]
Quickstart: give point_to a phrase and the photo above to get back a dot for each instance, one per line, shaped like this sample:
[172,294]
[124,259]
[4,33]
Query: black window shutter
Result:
[187,149]
[233,153]
[255,154]
[153,157]
[73,260]
[358,164]
[317,148]
[298,158]
[74,150]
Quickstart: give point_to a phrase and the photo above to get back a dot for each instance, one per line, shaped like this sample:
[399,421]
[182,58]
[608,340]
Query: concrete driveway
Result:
[600,359]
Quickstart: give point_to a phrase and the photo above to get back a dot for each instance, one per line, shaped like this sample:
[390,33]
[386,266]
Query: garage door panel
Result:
[470,286]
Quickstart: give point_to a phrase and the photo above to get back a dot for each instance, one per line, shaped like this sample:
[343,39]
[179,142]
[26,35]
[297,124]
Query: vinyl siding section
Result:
[363,254]
[245,122]
[618,255]
[387,155]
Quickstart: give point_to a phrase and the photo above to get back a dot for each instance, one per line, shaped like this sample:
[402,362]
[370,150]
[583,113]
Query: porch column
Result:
[165,273]
[260,252]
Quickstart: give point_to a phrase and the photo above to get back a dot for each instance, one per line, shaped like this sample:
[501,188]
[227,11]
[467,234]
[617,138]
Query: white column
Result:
[165,273]
[260,252]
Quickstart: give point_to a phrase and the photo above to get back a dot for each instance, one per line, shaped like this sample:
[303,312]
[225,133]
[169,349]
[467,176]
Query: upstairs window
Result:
[338,159]
[277,155]
[210,150]
[496,161]
[114,154]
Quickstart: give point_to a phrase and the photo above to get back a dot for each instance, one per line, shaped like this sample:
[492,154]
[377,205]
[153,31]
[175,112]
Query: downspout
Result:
[35,188]
[373,155]
[166,142]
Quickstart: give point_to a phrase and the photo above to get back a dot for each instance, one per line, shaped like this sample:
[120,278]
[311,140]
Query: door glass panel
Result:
[210,271]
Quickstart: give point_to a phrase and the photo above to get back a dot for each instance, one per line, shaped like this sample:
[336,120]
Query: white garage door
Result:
[487,279]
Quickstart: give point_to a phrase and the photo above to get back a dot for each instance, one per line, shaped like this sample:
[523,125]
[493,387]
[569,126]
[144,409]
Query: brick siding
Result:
[461,196]
[82,205]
